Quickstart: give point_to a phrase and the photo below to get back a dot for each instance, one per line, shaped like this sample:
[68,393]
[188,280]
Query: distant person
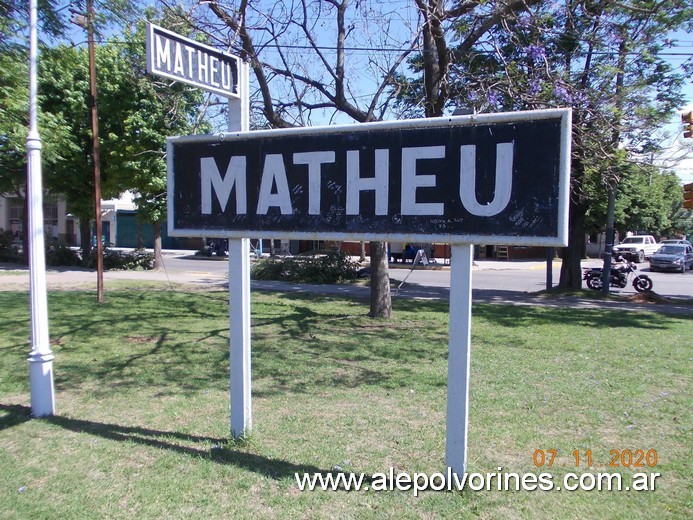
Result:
[619,263]
[396,251]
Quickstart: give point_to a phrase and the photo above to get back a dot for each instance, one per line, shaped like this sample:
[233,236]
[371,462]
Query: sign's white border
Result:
[560,240]
[151,28]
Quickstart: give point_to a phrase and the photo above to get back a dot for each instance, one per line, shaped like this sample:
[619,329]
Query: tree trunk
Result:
[571,272]
[85,237]
[158,258]
[381,300]
[140,241]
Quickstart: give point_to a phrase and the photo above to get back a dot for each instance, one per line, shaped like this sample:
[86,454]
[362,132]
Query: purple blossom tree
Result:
[602,60]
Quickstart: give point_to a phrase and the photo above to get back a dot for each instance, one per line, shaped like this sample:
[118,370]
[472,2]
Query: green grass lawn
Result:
[142,424]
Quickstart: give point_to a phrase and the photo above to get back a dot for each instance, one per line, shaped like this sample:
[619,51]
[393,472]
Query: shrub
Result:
[8,252]
[58,253]
[329,268]
[137,259]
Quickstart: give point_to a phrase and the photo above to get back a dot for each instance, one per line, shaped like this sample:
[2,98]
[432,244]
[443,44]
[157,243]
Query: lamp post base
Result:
[41,382]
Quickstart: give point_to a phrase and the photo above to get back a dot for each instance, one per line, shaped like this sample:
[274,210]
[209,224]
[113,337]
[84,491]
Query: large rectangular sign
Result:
[175,57]
[497,178]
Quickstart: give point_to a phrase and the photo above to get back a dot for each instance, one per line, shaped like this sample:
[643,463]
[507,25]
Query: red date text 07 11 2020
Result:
[617,458]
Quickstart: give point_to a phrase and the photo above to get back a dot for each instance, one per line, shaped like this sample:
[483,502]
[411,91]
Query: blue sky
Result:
[684,51]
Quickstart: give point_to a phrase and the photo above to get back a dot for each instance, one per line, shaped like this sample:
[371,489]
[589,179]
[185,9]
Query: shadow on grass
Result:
[500,309]
[221,450]
[178,342]
[14,415]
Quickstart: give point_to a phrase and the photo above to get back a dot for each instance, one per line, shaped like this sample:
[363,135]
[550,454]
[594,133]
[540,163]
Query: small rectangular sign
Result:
[497,178]
[175,57]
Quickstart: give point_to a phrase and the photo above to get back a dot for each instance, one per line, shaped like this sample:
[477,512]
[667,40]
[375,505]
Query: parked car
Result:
[636,247]
[672,257]
[675,241]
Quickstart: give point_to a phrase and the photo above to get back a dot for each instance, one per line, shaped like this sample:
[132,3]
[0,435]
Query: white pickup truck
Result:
[636,247]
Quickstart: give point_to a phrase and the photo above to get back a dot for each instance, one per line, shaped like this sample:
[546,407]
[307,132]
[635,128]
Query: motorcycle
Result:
[617,278]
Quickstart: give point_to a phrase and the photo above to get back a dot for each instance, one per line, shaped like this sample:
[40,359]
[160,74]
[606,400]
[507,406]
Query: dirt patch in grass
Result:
[648,297]
[141,339]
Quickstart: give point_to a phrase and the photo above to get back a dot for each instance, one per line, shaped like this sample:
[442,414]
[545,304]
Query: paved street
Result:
[514,282]
[524,276]
[530,276]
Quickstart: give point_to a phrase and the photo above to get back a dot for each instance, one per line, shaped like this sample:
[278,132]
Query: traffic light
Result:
[688,195]
[687,120]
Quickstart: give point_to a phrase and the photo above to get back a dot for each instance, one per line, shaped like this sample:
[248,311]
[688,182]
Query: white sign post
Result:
[459,356]
[178,58]
[239,290]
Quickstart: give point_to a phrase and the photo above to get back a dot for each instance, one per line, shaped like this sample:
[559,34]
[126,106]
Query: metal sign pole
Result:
[41,358]
[459,358]
[228,76]
[239,288]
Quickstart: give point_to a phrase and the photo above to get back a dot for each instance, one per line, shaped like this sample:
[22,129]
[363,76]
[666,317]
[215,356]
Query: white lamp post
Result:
[41,357]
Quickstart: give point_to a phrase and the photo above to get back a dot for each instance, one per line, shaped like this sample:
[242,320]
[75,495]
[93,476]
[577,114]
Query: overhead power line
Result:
[405,49]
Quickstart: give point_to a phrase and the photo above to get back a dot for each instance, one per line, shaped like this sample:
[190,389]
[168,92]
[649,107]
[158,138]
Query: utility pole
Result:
[609,242]
[87,22]
[41,358]
[613,183]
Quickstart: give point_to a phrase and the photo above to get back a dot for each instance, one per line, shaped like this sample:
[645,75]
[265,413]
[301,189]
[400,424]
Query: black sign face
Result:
[499,178]
[175,57]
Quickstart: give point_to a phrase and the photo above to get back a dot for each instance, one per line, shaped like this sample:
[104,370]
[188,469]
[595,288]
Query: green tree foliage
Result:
[64,115]
[136,114]
[14,117]
[683,220]
[14,20]
[602,59]
[64,93]
[14,83]
[14,121]
[14,87]
[648,201]
[155,110]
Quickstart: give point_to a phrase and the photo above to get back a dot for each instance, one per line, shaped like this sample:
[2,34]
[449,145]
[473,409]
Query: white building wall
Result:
[68,226]
[62,219]
[109,210]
